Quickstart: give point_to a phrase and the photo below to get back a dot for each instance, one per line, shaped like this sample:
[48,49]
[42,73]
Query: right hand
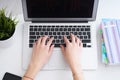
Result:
[72,52]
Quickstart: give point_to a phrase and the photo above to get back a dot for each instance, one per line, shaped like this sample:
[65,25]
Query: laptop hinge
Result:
[59,21]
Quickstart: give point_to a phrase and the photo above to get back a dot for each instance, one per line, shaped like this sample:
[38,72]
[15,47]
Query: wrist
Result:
[32,71]
[76,69]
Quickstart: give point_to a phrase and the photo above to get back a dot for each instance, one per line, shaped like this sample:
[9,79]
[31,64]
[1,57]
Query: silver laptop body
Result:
[52,13]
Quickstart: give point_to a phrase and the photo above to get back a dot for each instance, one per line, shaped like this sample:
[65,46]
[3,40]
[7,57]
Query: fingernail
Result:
[65,36]
[52,37]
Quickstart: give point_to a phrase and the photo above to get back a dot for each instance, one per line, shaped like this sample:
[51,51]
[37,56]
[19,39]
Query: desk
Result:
[10,58]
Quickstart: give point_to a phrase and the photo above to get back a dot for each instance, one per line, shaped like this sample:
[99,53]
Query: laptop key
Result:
[86,41]
[62,41]
[83,26]
[81,37]
[57,45]
[38,37]
[55,37]
[89,36]
[57,41]
[48,29]
[78,29]
[87,29]
[30,45]
[59,37]
[74,26]
[32,33]
[52,29]
[35,26]
[46,33]
[37,33]
[31,26]
[63,33]
[40,26]
[31,29]
[50,33]
[31,41]
[56,29]
[88,26]
[65,29]
[58,33]
[73,29]
[69,29]
[88,45]
[70,26]
[88,33]
[35,29]
[84,33]
[39,29]
[44,29]
[85,37]
[80,33]
[32,37]
[41,33]
[44,26]
[75,33]
[67,33]
[61,29]
[82,29]
[84,45]
[54,33]
[68,37]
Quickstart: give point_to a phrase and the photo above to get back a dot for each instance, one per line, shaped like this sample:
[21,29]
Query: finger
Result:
[34,45]
[66,40]
[62,49]
[44,40]
[39,41]
[50,41]
[73,38]
[77,40]
[81,44]
[51,49]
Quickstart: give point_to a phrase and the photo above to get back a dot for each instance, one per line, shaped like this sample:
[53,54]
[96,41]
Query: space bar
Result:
[58,45]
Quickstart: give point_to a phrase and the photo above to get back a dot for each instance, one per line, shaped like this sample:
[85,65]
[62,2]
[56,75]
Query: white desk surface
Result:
[10,58]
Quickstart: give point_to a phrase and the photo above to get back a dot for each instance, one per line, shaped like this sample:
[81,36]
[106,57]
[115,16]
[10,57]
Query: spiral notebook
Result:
[110,30]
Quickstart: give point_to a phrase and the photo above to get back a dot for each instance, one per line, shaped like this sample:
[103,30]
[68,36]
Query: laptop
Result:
[57,18]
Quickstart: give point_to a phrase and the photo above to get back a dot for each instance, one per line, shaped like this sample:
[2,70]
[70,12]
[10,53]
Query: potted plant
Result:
[7,29]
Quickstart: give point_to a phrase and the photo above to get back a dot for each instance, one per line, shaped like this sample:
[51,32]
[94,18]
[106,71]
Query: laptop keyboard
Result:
[56,31]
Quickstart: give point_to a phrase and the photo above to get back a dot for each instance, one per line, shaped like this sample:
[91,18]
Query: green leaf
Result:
[7,25]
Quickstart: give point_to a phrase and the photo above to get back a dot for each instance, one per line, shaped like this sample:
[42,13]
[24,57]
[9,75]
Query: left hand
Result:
[40,55]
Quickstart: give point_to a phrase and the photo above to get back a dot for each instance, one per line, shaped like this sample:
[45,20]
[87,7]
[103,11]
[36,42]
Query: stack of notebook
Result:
[110,30]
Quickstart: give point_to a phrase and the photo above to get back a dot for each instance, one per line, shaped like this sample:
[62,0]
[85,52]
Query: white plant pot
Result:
[8,42]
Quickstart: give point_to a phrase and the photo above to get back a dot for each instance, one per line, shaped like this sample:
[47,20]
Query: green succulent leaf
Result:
[7,25]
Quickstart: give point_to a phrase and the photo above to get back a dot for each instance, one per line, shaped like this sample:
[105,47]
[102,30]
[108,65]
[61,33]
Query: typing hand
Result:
[40,55]
[72,52]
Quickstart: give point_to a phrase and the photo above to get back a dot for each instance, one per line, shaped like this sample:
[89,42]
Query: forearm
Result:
[77,73]
[30,73]
[78,76]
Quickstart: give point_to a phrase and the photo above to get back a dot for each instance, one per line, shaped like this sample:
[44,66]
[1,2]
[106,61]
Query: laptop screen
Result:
[37,9]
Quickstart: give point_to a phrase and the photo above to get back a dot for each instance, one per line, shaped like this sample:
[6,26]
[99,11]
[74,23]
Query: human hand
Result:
[40,55]
[72,52]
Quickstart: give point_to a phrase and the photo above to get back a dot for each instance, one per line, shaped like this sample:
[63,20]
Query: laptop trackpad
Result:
[56,61]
